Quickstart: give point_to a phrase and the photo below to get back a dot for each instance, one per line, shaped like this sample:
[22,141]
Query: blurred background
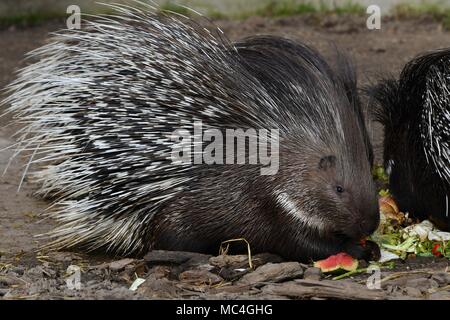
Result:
[26,11]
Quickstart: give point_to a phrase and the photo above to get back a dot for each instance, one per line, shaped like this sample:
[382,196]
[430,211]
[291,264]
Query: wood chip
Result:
[307,289]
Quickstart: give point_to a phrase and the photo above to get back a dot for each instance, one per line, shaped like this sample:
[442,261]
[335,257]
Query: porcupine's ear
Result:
[327,162]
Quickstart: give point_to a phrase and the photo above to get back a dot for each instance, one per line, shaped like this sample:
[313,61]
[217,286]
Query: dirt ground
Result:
[28,273]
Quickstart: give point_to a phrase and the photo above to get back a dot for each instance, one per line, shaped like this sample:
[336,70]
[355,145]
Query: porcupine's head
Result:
[324,181]
[415,113]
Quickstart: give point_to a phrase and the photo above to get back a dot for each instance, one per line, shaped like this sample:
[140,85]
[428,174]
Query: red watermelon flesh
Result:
[340,261]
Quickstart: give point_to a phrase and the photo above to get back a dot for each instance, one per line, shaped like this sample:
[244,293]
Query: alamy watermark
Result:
[227,146]
[73,281]
[374,280]
[373,22]
[74,19]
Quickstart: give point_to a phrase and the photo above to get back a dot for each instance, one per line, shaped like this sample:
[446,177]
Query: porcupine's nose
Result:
[369,217]
[368,225]
[364,225]
[366,228]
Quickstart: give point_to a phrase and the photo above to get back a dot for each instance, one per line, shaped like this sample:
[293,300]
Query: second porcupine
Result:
[415,113]
[100,105]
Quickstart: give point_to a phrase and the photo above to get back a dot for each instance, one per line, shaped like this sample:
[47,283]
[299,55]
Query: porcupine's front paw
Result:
[366,250]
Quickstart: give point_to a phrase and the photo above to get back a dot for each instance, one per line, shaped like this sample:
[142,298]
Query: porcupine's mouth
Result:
[345,242]
[344,238]
[356,231]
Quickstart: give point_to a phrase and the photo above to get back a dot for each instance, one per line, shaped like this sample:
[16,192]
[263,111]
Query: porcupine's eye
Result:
[339,189]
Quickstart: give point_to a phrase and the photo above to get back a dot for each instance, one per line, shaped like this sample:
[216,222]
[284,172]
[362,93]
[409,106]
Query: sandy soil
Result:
[375,52]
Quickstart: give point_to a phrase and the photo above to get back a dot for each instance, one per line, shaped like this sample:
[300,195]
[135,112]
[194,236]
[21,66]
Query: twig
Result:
[223,251]
[350,273]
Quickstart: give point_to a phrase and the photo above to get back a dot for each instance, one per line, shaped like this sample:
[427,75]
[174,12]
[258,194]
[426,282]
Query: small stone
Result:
[18,270]
[313,274]
[422,284]
[273,272]
[120,264]
[36,272]
[442,278]
[200,277]
[390,289]
[3,292]
[232,274]
[138,268]
[413,292]
[9,281]
[440,295]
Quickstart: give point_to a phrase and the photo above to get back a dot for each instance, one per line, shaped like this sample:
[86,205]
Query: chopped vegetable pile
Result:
[399,237]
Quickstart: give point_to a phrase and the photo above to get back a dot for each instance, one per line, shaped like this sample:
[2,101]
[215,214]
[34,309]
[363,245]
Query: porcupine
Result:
[98,109]
[415,112]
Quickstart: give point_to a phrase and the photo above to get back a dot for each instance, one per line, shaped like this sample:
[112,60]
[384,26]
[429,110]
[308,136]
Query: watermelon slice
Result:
[336,263]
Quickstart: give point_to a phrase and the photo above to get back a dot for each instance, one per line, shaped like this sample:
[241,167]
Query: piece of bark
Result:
[307,289]
[174,257]
[413,292]
[200,277]
[241,261]
[230,261]
[120,264]
[312,274]
[442,278]
[273,272]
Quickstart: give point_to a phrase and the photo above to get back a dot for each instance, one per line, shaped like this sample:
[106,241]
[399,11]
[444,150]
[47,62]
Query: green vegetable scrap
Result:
[421,239]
